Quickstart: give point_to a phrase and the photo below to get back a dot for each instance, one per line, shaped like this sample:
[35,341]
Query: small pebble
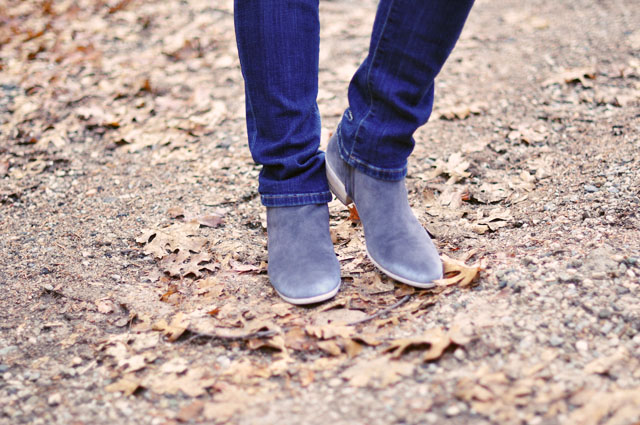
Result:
[31,376]
[3,368]
[459,354]
[335,382]
[6,350]
[606,328]
[613,189]
[605,313]
[431,417]
[556,341]
[590,188]
[582,345]
[54,399]
[452,411]
[116,277]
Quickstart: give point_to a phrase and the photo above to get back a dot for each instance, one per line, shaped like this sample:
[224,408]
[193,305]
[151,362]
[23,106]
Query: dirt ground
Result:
[133,242]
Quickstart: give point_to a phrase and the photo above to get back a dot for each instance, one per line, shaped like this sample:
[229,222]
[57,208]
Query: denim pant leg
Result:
[391,93]
[278,45]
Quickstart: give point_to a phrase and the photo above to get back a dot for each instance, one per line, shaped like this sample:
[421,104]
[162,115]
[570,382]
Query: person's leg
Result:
[390,96]
[278,45]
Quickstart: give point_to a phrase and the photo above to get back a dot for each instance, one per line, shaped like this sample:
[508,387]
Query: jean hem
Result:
[296,199]
[388,174]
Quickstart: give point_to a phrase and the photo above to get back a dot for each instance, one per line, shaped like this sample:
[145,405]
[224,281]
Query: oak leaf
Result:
[456,272]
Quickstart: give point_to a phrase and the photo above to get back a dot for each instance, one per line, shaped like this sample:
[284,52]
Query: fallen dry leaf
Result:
[306,377]
[105,306]
[210,220]
[175,212]
[460,112]
[602,365]
[457,272]
[179,236]
[193,383]
[175,329]
[580,75]
[190,411]
[330,347]
[379,373]
[352,348]
[176,365]
[615,407]
[496,220]
[127,385]
[434,342]
[490,193]
[455,167]
[137,362]
[353,213]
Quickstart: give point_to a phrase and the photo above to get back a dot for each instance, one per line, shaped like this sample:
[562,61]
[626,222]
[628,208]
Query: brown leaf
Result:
[330,331]
[173,289]
[460,333]
[306,377]
[127,385]
[338,316]
[380,372]
[603,364]
[177,237]
[353,213]
[175,212]
[457,272]
[576,75]
[490,193]
[352,348]
[496,219]
[176,365]
[105,306]
[193,383]
[460,112]
[455,167]
[434,341]
[618,406]
[137,362]
[372,283]
[119,6]
[330,347]
[190,411]
[175,329]
[276,342]
[211,220]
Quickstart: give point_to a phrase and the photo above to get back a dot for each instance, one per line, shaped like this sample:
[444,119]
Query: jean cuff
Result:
[388,174]
[296,199]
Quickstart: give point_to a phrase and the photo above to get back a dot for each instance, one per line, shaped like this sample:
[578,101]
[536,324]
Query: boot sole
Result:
[338,189]
[310,300]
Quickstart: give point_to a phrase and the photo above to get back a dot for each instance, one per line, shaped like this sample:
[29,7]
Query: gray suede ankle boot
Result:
[396,241]
[303,267]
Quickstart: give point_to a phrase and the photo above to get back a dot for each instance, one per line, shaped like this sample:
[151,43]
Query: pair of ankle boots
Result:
[303,267]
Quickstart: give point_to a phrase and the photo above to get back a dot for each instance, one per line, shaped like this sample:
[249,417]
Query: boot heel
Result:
[336,186]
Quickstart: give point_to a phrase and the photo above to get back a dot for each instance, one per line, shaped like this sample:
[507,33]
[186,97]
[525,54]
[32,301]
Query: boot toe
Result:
[415,270]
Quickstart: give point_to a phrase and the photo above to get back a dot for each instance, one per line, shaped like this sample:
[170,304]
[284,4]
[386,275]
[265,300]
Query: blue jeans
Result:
[390,95]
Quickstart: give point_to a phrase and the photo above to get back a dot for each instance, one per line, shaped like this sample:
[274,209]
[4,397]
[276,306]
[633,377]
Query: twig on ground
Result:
[381,312]
[258,334]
